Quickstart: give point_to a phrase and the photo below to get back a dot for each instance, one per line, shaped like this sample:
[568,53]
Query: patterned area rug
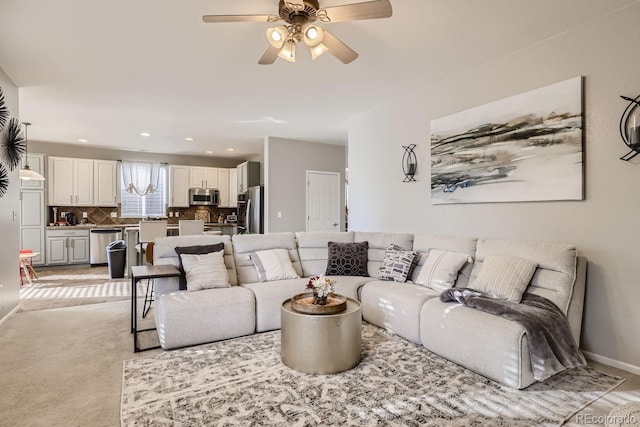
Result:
[243,382]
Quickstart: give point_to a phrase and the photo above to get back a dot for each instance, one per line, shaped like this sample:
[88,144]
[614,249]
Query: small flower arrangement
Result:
[321,286]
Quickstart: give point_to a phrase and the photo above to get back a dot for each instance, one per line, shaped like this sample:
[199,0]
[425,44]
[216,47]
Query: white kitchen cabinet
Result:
[248,175]
[201,177]
[67,246]
[105,190]
[223,186]
[233,188]
[36,163]
[178,186]
[70,181]
[32,223]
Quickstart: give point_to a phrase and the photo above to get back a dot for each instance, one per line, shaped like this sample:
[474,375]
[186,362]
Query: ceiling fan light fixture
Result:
[288,51]
[277,36]
[318,50]
[313,35]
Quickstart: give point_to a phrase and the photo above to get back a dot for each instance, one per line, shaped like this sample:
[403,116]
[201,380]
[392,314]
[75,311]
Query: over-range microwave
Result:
[204,197]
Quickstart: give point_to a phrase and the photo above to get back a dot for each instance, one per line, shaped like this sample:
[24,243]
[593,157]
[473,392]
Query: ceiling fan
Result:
[300,17]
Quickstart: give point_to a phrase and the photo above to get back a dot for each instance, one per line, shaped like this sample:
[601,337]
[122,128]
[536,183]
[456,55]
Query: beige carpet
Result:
[66,287]
[63,367]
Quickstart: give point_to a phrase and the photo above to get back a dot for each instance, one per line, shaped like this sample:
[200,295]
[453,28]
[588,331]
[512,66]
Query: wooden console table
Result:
[141,272]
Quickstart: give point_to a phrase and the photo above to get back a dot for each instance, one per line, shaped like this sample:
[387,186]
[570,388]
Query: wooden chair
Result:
[190,226]
[148,233]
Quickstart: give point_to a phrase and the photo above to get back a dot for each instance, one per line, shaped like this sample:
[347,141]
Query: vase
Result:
[317,299]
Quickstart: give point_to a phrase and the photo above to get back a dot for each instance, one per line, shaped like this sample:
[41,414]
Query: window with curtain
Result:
[153,204]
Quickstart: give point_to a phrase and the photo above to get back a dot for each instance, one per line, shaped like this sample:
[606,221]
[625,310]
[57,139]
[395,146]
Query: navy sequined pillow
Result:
[348,259]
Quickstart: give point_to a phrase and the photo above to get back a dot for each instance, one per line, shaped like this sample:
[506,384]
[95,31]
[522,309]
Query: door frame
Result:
[306,203]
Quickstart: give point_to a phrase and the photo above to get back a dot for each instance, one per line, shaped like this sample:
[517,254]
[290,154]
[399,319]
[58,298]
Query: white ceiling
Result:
[108,70]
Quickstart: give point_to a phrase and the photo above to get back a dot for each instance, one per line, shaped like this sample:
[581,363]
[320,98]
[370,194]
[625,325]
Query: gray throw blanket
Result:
[551,344]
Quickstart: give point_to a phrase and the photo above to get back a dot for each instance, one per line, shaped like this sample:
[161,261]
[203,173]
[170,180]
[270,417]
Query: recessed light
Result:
[83,140]
[145,134]
[188,139]
[209,152]
[231,149]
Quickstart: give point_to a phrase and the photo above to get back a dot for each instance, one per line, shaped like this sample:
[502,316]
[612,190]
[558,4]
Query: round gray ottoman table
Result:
[321,344]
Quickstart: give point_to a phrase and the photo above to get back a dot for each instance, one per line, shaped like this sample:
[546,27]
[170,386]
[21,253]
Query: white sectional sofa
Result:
[487,344]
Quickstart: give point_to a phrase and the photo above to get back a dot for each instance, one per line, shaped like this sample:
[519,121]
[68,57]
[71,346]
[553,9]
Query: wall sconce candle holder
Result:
[409,163]
[630,127]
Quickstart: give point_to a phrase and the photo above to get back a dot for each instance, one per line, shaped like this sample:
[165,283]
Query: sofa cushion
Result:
[395,306]
[487,344]
[378,244]
[556,273]
[397,264]
[194,250]
[312,247]
[245,244]
[190,318]
[347,259]
[350,286]
[504,277]
[269,298]
[205,271]
[441,268]
[273,264]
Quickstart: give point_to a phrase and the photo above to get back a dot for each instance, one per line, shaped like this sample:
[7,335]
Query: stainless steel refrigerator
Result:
[254,214]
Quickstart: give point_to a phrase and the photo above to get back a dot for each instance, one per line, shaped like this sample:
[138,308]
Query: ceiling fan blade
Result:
[269,56]
[355,12]
[240,18]
[340,50]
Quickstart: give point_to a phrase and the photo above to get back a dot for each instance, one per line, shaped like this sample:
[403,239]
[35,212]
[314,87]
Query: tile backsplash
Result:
[102,215]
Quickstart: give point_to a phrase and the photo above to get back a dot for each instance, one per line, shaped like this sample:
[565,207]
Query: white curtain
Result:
[140,178]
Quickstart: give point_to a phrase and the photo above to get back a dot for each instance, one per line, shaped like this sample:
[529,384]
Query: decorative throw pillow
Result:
[504,277]
[205,271]
[348,259]
[194,250]
[398,264]
[273,264]
[440,270]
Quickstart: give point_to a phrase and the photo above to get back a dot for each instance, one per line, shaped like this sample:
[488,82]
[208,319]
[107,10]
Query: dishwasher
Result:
[99,239]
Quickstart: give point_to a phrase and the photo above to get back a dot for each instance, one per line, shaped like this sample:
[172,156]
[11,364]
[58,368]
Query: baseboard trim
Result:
[9,315]
[612,362]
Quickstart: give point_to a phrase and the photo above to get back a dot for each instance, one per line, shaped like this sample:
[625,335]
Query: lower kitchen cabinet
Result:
[66,246]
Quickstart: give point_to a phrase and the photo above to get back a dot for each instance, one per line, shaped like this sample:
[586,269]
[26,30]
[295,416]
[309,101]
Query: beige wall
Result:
[88,152]
[285,166]
[10,218]
[605,227]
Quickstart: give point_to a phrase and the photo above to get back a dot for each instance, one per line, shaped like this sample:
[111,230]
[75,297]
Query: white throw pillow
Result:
[440,270]
[273,264]
[504,277]
[205,271]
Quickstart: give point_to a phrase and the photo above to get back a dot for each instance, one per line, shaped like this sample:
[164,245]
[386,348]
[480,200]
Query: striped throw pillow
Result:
[504,277]
[440,270]
[205,271]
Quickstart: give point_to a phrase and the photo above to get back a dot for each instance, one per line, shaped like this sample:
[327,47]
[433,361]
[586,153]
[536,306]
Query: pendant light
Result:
[26,173]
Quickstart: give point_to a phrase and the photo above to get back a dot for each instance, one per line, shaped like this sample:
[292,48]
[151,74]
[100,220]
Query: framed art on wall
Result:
[527,147]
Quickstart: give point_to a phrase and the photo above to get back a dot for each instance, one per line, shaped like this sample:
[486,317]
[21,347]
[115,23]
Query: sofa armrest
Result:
[576,304]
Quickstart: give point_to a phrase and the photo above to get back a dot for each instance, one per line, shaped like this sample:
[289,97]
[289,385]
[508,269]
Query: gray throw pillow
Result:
[193,250]
[348,259]
[398,264]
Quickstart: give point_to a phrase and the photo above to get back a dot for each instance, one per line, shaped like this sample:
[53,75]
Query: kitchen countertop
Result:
[215,224]
[85,226]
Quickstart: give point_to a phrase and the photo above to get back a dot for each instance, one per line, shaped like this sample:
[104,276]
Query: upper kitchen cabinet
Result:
[200,177]
[70,181]
[179,186]
[36,163]
[105,183]
[248,176]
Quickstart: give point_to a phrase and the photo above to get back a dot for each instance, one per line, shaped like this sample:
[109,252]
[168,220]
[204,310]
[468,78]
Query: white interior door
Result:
[323,201]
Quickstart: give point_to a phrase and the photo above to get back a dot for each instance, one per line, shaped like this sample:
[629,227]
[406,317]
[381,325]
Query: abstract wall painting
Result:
[527,147]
